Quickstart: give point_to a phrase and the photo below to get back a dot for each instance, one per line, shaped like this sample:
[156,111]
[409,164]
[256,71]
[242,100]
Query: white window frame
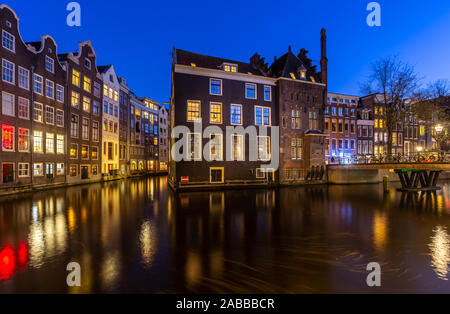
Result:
[13,105]
[219,156]
[56,118]
[42,169]
[36,84]
[42,111]
[63,169]
[29,142]
[270,92]
[13,41]
[13,139]
[52,146]
[58,140]
[221,112]
[268,147]
[13,72]
[27,78]
[27,175]
[256,90]
[59,89]
[50,61]
[52,114]
[210,85]
[41,151]
[50,84]
[19,99]
[262,116]
[231,114]
[199,149]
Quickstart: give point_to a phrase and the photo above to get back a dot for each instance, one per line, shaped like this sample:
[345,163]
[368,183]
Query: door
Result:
[84,172]
[8,173]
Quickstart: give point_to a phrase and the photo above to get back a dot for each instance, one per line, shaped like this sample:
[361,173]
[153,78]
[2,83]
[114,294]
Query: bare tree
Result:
[433,107]
[396,81]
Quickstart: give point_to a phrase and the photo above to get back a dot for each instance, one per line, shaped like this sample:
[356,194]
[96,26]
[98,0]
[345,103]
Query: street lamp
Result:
[439,128]
[419,149]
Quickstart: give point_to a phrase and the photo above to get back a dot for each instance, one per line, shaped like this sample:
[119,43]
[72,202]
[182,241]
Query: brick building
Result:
[84,89]
[366,128]
[124,127]
[341,127]
[163,138]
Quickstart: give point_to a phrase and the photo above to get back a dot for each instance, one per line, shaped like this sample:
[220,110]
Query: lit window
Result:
[216,113]
[75,77]
[38,170]
[238,147]
[75,100]
[37,142]
[8,41]
[313,121]
[8,69]
[296,148]
[193,111]
[24,140]
[60,144]
[94,153]
[7,138]
[73,169]
[194,150]
[264,148]
[84,152]
[250,91]
[216,150]
[50,143]
[215,87]
[87,84]
[60,169]
[24,170]
[49,64]
[86,104]
[73,151]
[296,119]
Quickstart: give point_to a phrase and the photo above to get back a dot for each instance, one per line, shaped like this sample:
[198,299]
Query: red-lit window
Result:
[7,137]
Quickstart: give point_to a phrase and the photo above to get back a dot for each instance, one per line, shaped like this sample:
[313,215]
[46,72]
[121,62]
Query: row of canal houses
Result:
[65,120]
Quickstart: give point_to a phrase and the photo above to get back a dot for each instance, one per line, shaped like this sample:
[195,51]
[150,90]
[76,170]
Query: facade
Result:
[341,128]
[84,88]
[163,138]
[290,94]
[110,119]
[150,127]
[124,127]
[366,127]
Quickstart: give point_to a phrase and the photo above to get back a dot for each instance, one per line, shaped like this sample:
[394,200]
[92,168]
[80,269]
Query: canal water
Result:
[137,236]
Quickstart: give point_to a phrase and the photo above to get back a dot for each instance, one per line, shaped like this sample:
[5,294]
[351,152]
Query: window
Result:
[94,153]
[194,151]
[8,70]
[49,89]
[193,111]
[296,119]
[24,170]
[74,126]
[86,104]
[38,112]
[75,100]
[215,113]
[8,41]
[230,67]
[314,122]
[96,89]
[264,148]
[250,91]
[87,64]
[262,116]
[96,108]
[111,111]
[87,84]
[216,150]
[59,118]
[94,170]
[8,138]
[238,147]
[24,78]
[216,175]
[215,87]
[60,93]
[116,112]
[8,104]
[49,170]
[85,129]
[296,148]
[75,77]
[60,144]
[38,170]
[116,96]
[260,173]
[236,114]
[267,93]
[24,140]
[60,169]
[73,151]
[38,84]
[49,64]
[50,115]
[37,142]
[84,152]
[95,130]
[73,170]
[50,143]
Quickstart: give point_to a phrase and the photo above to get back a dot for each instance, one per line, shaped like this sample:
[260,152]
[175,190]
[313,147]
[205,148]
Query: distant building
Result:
[124,128]
[341,127]
[110,120]
[163,138]
[366,127]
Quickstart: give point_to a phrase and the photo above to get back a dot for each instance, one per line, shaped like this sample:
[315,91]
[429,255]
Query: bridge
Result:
[414,176]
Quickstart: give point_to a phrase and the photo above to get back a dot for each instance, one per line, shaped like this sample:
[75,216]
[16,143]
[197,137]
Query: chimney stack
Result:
[323,59]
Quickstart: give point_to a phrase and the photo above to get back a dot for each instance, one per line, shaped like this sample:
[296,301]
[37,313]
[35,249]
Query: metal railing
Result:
[413,158]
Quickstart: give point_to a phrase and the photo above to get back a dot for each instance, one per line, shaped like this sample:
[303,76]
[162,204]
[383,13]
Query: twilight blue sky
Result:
[137,36]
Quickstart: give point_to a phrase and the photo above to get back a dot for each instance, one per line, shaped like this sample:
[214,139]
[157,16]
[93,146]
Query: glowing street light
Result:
[419,149]
[439,128]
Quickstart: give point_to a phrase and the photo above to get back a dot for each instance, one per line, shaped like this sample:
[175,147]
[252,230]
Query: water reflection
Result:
[138,236]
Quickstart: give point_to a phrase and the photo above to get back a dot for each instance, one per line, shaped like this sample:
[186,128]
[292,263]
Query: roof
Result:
[290,63]
[184,57]
[103,68]
[35,44]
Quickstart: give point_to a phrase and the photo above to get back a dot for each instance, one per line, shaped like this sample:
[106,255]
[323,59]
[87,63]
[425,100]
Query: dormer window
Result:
[49,64]
[8,24]
[111,78]
[87,64]
[228,67]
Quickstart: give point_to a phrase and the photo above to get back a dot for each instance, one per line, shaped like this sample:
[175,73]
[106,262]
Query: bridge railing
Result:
[413,158]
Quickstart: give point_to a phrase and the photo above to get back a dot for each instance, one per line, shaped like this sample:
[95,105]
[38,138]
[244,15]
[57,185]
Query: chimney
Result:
[323,59]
